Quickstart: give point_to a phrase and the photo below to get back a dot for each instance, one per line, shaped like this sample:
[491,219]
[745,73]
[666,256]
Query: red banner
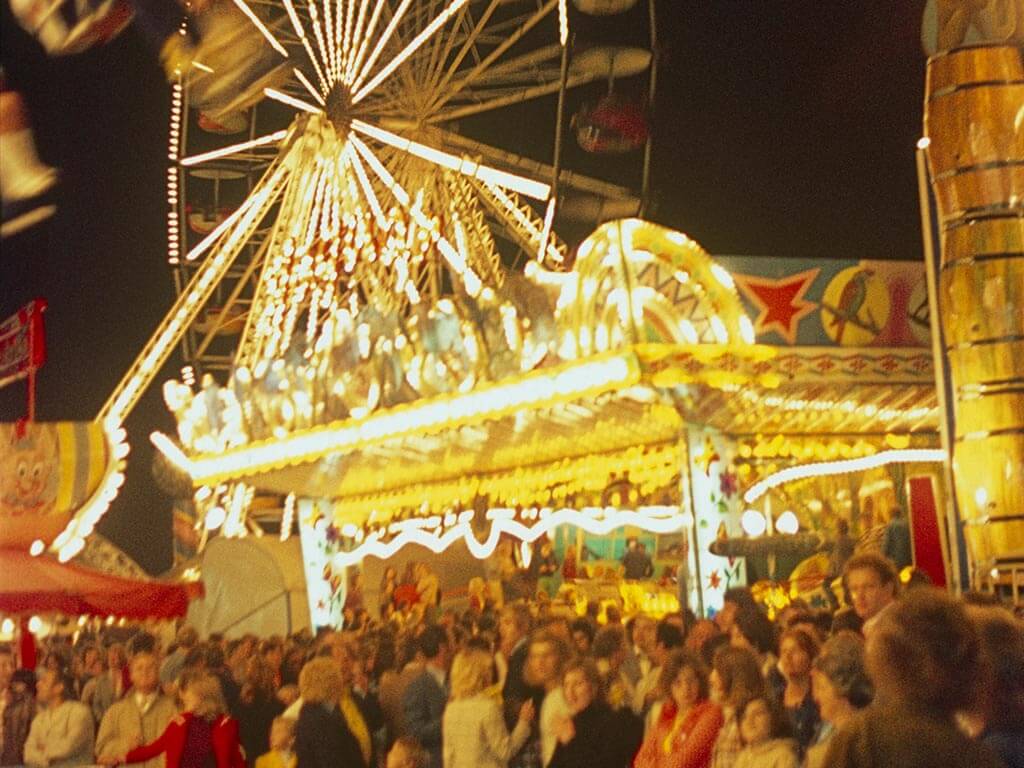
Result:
[22,342]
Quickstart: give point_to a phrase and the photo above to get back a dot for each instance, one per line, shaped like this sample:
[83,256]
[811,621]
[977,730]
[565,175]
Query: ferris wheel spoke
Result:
[439,85]
[291,101]
[357,35]
[463,165]
[355,65]
[272,138]
[318,34]
[446,93]
[456,259]
[300,32]
[381,43]
[309,87]
[263,30]
[515,97]
[332,27]
[439,21]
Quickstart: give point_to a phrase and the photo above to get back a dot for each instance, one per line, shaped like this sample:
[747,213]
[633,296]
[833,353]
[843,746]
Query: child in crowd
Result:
[766,736]
[282,742]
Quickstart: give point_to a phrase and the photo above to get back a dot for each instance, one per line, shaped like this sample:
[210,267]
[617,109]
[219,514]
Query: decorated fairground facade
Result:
[388,344]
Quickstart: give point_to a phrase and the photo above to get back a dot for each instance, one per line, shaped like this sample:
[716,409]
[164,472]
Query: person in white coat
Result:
[473,728]
[61,735]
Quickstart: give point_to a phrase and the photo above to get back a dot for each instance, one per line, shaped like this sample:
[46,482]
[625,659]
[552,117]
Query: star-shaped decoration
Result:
[708,457]
[714,579]
[780,302]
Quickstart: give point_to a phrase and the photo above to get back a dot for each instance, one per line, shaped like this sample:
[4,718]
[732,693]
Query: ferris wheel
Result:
[349,174]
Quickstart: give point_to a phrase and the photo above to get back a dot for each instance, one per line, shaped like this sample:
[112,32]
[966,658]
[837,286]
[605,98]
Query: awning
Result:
[43,585]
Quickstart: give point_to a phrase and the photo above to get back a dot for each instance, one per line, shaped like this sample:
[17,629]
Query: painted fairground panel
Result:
[805,302]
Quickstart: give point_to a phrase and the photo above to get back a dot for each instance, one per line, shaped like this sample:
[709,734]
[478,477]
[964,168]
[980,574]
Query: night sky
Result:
[782,128]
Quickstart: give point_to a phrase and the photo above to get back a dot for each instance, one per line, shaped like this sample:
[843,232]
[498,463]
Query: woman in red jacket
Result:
[201,732]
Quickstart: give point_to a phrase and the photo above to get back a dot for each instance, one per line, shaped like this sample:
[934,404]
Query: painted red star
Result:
[780,302]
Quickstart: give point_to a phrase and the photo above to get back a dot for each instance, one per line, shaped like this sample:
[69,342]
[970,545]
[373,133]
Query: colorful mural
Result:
[844,303]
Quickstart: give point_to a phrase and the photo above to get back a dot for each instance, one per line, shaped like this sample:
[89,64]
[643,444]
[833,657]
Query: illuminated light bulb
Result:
[718,329]
[981,497]
[215,518]
[35,625]
[723,276]
[747,329]
[7,627]
[753,523]
[924,142]
[37,548]
[787,522]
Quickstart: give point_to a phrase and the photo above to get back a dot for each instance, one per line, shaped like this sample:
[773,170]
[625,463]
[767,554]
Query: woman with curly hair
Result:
[923,657]
[684,733]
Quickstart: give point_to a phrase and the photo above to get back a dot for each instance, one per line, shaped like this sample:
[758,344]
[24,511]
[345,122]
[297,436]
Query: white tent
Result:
[254,586]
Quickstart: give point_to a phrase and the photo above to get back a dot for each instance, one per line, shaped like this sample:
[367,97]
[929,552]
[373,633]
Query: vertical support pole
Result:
[645,185]
[942,383]
[686,491]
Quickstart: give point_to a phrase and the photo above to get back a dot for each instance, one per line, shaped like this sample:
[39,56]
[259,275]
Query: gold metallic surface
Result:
[974,118]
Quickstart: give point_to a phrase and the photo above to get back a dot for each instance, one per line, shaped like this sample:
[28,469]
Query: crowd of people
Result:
[897,678]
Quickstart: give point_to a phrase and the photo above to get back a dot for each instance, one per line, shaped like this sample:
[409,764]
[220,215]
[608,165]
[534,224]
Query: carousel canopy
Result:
[43,585]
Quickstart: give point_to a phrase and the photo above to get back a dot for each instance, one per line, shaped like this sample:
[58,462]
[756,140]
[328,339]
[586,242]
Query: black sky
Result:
[782,128]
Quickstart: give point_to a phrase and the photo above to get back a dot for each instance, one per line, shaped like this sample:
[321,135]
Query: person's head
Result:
[703,630]
[797,650]
[581,684]
[760,721]
[472,672]
[186,638]
[870,583]
[735,677]
[545,660]
[752,629]
[257,680]
[612,615]
[839,679]
[272,653]
[610,645]
[144,672]
[1001,685]
[142,642]
[733,600]
[435,647]
[7,666]
[684,679]
[282,733]
[632,544]
[320,681]
[846,620]
[644,629]
[202,695]
[924,654]
[582,635]
[116,657]
[514,624]
[406,752]
[842,527]
[667,638]
[54,687]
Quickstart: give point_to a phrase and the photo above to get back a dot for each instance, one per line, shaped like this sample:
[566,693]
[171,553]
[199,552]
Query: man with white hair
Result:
[140,717]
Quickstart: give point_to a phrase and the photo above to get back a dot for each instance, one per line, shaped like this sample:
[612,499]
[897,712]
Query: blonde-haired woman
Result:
[201,735]
[473,729]
[322,736]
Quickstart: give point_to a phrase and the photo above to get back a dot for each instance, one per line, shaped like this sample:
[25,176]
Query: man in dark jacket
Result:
[424,700]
